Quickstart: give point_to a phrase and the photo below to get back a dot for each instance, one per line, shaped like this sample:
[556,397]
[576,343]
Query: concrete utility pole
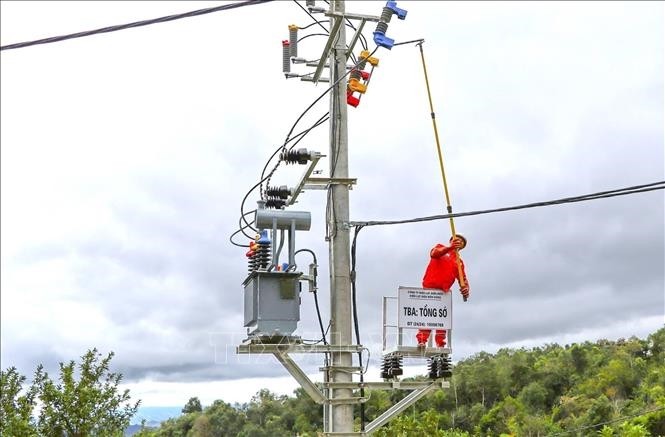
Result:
[271,297]
[339,245]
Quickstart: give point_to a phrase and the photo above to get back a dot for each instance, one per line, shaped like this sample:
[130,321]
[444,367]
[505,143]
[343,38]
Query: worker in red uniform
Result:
[441,273]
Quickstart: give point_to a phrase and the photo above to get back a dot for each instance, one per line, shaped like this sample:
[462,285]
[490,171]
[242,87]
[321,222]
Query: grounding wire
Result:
[326,357]
[600,195]
[355,321]
[316,301]
[132,25]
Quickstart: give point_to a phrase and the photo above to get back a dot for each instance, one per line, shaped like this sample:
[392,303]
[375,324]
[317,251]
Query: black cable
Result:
[600,195]
[241,228]
[326,358]
[300,136]
[312,34]
[244,199]
[363,40]
[320,22]
[308,13]
[132,25]
[316,300]
[288,136]
[643,413]
[330,208]
[355,321]
[289,139]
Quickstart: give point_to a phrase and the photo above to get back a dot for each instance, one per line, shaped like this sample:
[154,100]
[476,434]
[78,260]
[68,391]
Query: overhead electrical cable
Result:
[299,138]
[593,196]
[264,178]
[134,24]
[596,425]
[312,16]
[331,87]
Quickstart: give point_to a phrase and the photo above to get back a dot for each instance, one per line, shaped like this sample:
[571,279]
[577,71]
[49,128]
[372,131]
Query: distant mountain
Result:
[133,429]
[155,415]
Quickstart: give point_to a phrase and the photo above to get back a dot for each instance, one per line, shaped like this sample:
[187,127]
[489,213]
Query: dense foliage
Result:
[606,388]
[84,401]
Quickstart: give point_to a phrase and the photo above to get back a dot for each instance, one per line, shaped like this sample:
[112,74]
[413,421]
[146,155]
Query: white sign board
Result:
[424,308]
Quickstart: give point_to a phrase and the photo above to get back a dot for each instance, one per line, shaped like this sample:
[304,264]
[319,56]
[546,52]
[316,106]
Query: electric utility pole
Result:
[272,302]
[341,415]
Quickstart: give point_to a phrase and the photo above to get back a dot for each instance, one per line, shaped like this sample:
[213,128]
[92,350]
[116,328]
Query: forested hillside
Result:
[604,388]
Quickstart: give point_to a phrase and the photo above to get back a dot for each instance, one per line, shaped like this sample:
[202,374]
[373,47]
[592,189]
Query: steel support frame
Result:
[300,376]
[402,405]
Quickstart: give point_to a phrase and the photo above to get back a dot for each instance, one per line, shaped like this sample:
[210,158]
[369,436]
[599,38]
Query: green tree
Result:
[89,405]
[629,430]
[193,405]
[16,408]
[224,419]
[534,397]
[502,417]
[202,427]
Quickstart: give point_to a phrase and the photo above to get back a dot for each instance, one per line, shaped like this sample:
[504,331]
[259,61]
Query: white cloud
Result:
[125,157]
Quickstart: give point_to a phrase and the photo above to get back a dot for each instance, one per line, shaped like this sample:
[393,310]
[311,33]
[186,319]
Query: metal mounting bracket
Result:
[325,183]
[315,156]
[351,16]
[326,49]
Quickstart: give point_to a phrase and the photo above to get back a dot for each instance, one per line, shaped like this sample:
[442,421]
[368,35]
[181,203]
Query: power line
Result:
[134,24]
[600,195]
[643,413]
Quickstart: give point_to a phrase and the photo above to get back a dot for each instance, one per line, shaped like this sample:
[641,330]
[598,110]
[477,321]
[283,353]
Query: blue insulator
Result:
[401,13]
[380,37]
[264,239]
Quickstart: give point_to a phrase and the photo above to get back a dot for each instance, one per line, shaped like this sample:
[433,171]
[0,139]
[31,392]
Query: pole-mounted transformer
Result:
[271,289]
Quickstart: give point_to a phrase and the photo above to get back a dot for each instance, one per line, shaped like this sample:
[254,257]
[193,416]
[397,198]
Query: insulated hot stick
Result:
[449,208]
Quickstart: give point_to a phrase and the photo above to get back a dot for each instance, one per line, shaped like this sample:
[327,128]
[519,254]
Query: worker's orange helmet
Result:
[461,237]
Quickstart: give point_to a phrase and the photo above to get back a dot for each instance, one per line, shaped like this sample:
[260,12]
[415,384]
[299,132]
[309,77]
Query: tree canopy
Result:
[606,388]
[84,401]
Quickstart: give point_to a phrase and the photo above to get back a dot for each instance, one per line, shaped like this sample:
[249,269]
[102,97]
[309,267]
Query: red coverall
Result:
[441,273]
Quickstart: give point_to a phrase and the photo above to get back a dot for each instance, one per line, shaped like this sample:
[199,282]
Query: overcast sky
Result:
[125,157]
